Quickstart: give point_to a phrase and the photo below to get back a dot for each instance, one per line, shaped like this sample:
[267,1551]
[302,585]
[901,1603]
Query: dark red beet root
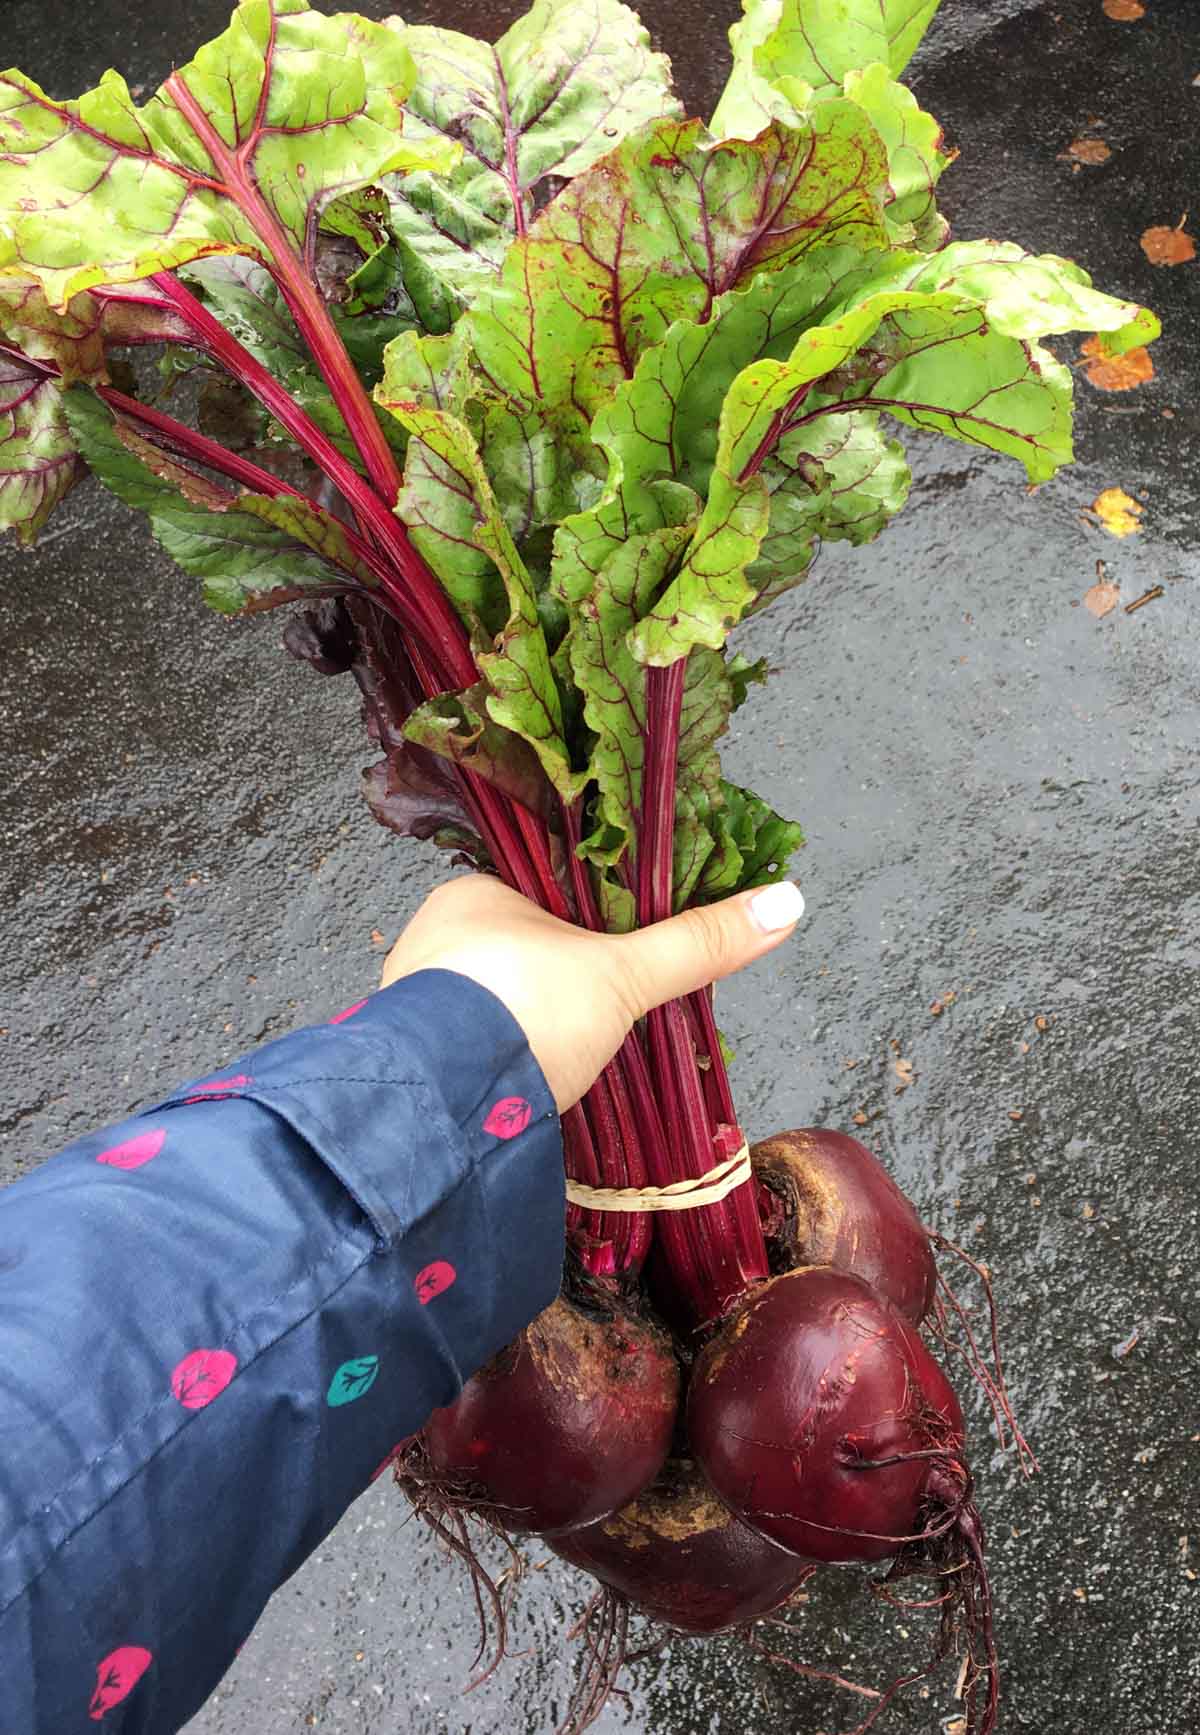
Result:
[566,1425]
[839,1206]
[820,1417]
[679,1555]
[813,1381]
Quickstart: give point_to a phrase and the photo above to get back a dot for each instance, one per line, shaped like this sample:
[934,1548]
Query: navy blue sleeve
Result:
[218,1320]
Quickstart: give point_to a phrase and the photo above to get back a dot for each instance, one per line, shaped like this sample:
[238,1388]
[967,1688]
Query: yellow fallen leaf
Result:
[1087,151]
[1124,11]
[1164,246]
[1117,511]
[1117,373]
[1102,599]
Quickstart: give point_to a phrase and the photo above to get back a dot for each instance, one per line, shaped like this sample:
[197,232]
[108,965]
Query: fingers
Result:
[461,912]
[700,946]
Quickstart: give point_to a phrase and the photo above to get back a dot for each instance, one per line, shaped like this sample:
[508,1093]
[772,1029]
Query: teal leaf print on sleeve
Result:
[353,1380]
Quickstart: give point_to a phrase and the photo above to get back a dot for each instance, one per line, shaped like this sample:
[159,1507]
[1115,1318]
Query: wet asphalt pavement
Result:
[1000,793]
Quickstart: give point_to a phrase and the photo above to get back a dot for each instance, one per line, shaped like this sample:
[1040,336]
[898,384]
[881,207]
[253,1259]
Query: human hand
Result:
[576,994]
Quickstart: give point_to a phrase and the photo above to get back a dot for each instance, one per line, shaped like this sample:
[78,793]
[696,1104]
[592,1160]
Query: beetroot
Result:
[567,1424]
[820,1417]
[833,1203]
[679,1555]
[815,1413]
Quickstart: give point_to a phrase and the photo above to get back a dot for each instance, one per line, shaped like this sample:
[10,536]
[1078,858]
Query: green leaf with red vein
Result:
[1026,295]
[711,593]
[284,111]
[789,544]
[253,551]
[459,727]
[38,460]
[932,360]
[75,341]
[814,44]
[663,422]
[749,101]
[556,92]
[244,296]
[540,462]
[586,541]
[450,510]
[693,842]
[659,432]
[658,231]
[40,351]
[613,684]
[754,845]
[822,40]
[446,495]
[839,480]
[916,157]
[249,303]
[940,342]
[713,589]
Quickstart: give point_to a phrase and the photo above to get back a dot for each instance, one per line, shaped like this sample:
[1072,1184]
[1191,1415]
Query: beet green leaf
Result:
[915,155]
[631,373]
[42,351]
[450,508]
[460,727]
[238,152]
[253,551]
[941,343]
[814,44]
[555,93]
[669,222]
[38,458]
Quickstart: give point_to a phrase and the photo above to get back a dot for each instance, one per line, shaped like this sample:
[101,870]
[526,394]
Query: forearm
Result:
[217,1321]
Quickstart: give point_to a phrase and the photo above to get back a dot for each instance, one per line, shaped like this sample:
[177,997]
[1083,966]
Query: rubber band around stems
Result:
[690,1195]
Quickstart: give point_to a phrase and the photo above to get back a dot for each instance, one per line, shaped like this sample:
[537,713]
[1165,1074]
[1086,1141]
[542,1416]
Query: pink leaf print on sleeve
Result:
[433,1279]
[219,1087]
[116,1677]
[132,1153]
[508,1117]
[341,1017]
[203,1376]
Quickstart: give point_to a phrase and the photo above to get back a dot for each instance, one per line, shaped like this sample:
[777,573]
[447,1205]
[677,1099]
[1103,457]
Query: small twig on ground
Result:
[1151,595]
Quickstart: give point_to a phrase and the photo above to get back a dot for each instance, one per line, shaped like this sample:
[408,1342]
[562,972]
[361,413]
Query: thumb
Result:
[700,946]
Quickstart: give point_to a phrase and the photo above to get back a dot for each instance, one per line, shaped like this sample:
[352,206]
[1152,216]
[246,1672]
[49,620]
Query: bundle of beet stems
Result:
[528,388]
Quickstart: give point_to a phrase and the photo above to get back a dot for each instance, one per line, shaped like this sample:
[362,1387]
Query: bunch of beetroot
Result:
[702,1475]
[528,388]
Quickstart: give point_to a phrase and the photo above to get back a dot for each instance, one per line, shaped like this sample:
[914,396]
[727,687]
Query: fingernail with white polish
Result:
[778,906]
